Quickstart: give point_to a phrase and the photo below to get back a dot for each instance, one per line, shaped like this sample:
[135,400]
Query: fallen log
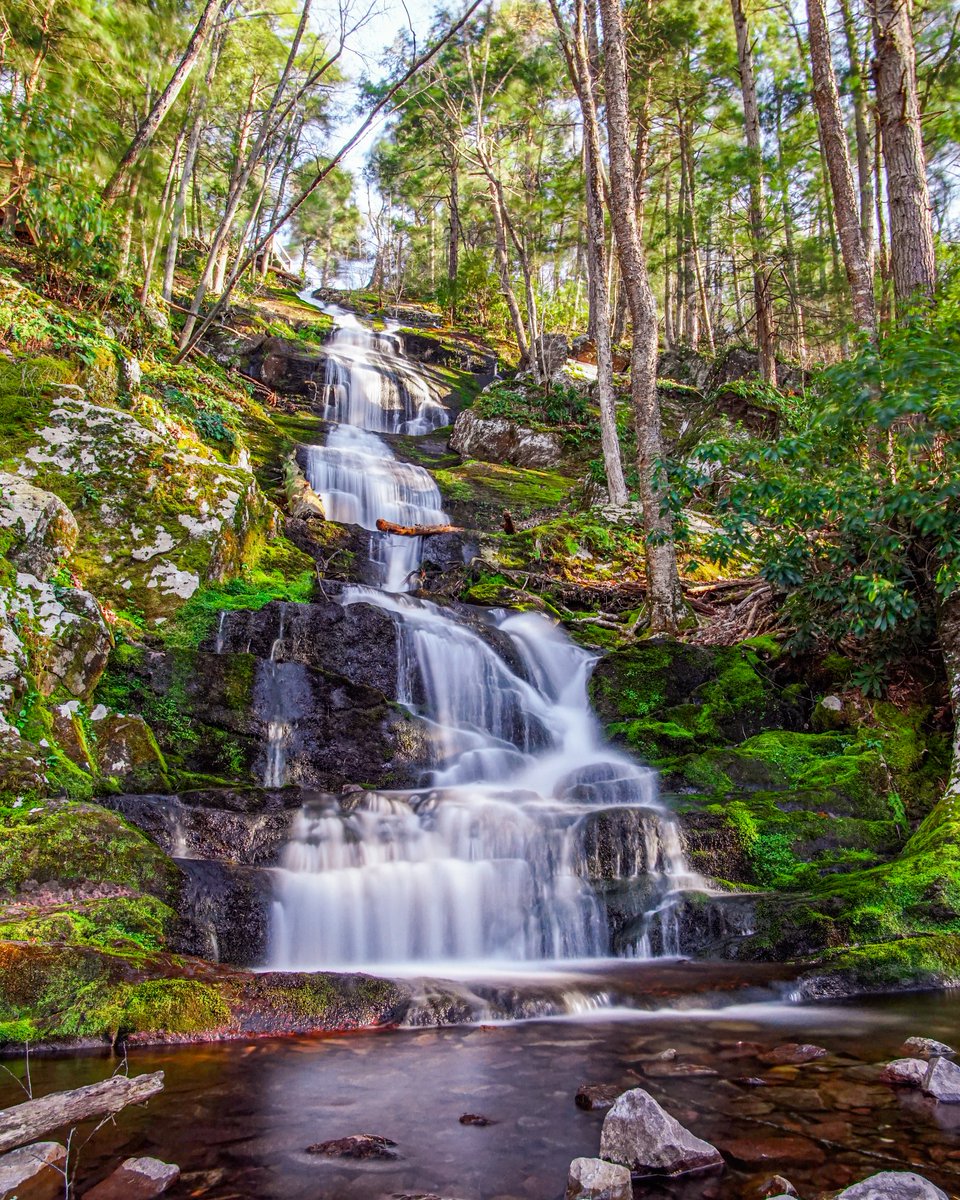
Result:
[386,526]
[30,1121]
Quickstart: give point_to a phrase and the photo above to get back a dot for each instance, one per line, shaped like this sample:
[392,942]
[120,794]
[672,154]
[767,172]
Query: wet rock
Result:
[942,1081]
[792,1053]
[594,1179]
[893,1185]
[44,529]
[127,750]
[499,440]
[226,909]
[905,1072]
[287,367]
[136,1179]
[921,1047]
[669,1069]
[776,1187]
[640,1135]
[597,1095]
[34,1172]
[476,1119]
[362,1146]
[774,1148]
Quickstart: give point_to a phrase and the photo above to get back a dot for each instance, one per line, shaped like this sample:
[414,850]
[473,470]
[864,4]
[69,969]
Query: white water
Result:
[489,861]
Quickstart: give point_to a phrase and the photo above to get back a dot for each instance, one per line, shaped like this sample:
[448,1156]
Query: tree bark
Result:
[751,120]
[165,101]
[912,258]
[27,1122]
[665,599]
[826,98]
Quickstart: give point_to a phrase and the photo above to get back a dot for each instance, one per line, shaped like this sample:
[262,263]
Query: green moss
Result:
[173,1006]
[497,485]
[27,386]
[120,923]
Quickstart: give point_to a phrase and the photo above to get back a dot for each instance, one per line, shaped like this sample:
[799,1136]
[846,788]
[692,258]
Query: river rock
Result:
[905,1072]
[792,1053]
[921,1047]
[594,1179]
[942,1081]
[498,440]
[777,1187]
[639,1134]
[136,1179]
[357,1146]
[770,1148]
[44,529]
[893,1185]
[34,1172]
[597,1095]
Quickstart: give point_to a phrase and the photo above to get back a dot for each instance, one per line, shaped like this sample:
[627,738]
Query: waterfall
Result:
[497,856]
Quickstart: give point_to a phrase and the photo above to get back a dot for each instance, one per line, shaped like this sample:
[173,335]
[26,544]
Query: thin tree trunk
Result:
[665,598]
[669,334]
[503,266]
[861,117]
[751,119]
[165,101]
[833,134]
[912,257]
[883,251]
[162,218]
[793,274]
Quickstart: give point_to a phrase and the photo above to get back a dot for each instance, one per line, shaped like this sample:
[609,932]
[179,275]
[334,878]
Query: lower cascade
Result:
[499,857]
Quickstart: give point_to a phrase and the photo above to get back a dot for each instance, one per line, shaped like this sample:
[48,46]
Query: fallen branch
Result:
[29,1122]
[386,526]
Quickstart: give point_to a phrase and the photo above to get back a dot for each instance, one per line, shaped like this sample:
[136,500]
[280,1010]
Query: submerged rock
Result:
[357,1146]
[638,1134]
[777,1187]
[597,1095]
[594,1179]
[921,1047]
[893,1185]
[792,1053]
[34,1172]
[136,1179]
[905,1072]
[476,1119]
[942,1081]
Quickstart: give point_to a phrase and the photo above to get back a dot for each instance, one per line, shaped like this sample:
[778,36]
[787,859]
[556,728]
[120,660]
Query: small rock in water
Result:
[597,1095]
[476,1119]
[665,1056]
[776,1187]
[594,1179]
[893,1185]
[357,1145]
[942,1081]
[670,1069]
[640,1135]
[792,1053]
[136,1179]
[33,1172]
[920,1047]
[774,1148]
[905,1072]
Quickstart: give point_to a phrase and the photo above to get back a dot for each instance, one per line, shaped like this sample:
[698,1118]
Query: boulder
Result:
[44,529]
[357,1146]
[136,1179]
[594,1179]
[776,1188]
[127,750]
[35,1172]
[638,1134]
[499,440]
[905,1072]
[921,1047]
[548,354]
[942,1081]
[893,1185]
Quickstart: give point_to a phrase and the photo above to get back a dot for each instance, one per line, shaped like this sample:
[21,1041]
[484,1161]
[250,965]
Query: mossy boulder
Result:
[43,529]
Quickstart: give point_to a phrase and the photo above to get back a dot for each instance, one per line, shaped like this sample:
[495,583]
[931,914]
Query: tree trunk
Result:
[751,119]
[833,134]
[144,135]
[453,239]
[912,259]
[503,265]
[861,116]
[665,598]
[29,1121]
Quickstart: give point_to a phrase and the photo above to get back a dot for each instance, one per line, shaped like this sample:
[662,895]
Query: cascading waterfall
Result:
[489,861]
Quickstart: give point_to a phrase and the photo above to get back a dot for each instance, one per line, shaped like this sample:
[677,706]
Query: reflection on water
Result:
[238,1117]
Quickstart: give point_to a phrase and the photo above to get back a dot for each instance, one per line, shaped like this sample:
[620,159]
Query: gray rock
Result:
[498,440]
[548,354]
[905,1072]
[594,1179]
[33,1172]
[893,1185]
[44,528]
[942,1081]
[639,1134]
[136,1179]
[921,1047]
